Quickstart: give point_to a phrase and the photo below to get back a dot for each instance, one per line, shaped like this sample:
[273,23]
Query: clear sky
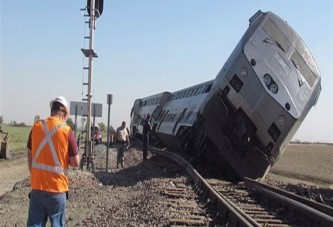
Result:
[144,47]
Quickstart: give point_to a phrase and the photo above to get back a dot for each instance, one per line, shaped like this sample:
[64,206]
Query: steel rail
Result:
[320,214]
[236,216]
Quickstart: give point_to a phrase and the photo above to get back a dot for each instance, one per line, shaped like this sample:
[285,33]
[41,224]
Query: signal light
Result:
[98,7]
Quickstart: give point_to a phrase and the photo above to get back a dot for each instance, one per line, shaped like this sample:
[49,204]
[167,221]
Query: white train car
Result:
[243,120]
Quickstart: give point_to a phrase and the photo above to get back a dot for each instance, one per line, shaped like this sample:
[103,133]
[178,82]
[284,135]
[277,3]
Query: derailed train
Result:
[242,121]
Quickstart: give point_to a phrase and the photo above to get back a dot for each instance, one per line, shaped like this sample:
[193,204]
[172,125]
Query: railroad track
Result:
[185,209]
[248,203]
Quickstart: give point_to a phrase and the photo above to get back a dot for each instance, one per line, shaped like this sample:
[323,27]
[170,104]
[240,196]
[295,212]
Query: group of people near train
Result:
[52,148]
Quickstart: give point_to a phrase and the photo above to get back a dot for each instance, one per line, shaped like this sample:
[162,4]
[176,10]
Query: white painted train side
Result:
[242,121]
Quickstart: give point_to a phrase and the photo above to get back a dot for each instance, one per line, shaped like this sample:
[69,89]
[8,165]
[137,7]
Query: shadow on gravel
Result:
[155,167]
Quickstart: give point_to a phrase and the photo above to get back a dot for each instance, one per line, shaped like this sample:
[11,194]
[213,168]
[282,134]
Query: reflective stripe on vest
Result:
[48,140]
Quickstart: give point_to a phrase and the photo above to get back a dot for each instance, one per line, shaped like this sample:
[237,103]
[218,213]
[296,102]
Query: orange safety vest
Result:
[49,167]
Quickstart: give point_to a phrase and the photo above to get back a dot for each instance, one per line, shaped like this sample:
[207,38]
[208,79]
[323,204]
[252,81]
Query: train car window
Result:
[167,118]
[188,116]
[203,89]
[207,89]
[276,34]
[163,116]
[195,91]
[156,112]
[302,68]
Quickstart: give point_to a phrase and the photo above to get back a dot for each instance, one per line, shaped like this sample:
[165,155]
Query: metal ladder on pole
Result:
[89,54]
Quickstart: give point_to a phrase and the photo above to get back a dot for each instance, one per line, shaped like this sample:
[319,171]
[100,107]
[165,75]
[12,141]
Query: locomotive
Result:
[241,121]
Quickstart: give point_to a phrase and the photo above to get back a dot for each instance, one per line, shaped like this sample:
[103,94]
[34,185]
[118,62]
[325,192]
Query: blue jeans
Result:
[45,205]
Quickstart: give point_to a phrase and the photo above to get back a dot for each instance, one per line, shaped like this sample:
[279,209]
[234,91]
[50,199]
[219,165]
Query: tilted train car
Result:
[242,121]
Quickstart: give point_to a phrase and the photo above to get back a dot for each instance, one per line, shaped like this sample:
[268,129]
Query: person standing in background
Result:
[51,149]
[122,141]
[146,132]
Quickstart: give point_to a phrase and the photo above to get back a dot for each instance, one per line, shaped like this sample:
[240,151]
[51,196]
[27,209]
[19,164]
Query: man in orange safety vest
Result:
[51,149]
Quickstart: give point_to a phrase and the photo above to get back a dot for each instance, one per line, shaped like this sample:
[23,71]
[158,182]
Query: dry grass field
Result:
[307,163]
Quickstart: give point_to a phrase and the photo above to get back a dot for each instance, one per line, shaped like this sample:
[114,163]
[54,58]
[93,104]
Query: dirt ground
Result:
[120,201]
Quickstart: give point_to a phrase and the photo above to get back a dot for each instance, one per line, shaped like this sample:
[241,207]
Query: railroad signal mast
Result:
[94,10]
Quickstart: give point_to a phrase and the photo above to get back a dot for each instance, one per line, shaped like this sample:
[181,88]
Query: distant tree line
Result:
[16,124]
[69,121]
[13,123]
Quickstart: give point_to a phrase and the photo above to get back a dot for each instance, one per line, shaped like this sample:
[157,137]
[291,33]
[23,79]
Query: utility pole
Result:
[94,9]
[89,95]
[109,101]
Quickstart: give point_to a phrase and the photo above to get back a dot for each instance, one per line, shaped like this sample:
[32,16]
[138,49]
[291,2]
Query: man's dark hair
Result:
[56,107]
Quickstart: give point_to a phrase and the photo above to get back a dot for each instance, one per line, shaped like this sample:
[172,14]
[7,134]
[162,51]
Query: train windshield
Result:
[278,38]
[303,68]
[276,34]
